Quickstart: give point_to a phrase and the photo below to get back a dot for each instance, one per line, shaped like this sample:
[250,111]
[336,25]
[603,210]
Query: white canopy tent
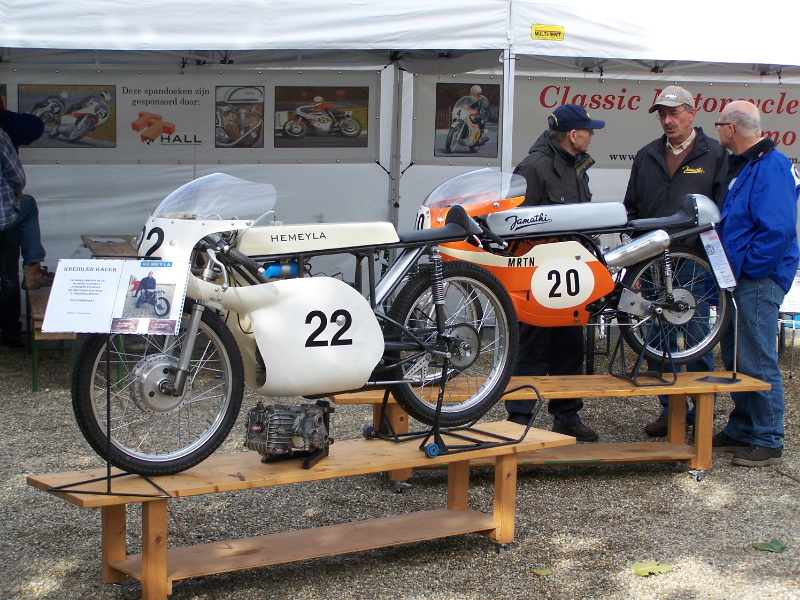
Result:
[409,45]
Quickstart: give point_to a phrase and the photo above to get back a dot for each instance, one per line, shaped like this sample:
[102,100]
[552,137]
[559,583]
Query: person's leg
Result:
[757,417]
[533,359]
[30,235]
[567,358]
[10,304]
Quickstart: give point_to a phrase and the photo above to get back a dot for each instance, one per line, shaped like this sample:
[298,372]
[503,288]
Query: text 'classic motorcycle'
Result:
[661,291]
[441,335]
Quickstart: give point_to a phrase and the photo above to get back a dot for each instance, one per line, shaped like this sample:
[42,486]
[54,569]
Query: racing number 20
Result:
[337,339]
[571,283]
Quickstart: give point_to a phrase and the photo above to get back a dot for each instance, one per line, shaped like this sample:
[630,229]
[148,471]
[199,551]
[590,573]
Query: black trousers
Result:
[10,303]
[550,351]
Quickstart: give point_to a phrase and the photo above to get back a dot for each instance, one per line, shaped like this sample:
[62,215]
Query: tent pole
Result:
[394,158]
[509,60]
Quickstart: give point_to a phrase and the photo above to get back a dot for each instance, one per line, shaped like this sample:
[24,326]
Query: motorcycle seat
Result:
[552,218]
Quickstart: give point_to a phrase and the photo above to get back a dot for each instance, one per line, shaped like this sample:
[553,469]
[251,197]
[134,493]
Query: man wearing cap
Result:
[682,161]
[555,171]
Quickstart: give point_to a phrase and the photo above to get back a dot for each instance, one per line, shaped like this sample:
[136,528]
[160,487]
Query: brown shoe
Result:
[36,276]
[657,428]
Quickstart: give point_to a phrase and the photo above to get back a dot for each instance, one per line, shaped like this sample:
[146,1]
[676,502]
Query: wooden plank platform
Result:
[157,566]
[700,387]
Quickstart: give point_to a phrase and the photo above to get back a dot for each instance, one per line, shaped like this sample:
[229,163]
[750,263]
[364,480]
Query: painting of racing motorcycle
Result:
[321,117]
[239,117]
[73,115]
[467,119]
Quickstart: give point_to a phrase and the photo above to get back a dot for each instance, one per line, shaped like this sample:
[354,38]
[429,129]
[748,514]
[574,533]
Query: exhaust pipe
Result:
[637,250]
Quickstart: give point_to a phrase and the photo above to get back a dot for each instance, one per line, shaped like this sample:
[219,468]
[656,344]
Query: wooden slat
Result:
[635,452]
[594,386]
[239,471]
[279,548]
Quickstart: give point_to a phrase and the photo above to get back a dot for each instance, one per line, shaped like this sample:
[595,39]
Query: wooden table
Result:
[157,567]
[111,245]
[696,386]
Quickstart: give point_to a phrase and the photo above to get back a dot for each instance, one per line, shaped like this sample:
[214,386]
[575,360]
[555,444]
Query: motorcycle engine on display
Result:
[279,431]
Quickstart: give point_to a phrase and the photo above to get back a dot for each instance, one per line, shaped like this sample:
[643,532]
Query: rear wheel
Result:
[153,432]
[694,318]
[481,333]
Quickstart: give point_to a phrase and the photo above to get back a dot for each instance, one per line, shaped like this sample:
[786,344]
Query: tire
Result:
[82,127]
[694,331]
[451,144]
[479,313]
[161,306]
[350,127]
[153,433]
[295,128]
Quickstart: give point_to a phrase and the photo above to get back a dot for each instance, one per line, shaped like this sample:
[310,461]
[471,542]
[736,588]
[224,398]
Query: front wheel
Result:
[161,306]
[453,137]
[693,319]
[295,128]
[350,127]
[480,333]
[152,432]
[82,127]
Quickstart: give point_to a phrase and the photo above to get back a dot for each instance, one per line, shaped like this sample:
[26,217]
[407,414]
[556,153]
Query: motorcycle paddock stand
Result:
[666,365]
[468,434]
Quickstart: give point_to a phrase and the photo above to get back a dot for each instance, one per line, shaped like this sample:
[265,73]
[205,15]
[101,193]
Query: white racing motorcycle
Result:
[441,336]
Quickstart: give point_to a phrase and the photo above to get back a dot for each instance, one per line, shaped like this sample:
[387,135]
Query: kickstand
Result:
[666,364]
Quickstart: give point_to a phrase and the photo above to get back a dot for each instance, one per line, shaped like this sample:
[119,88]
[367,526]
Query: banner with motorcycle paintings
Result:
[457,120]
[124,117]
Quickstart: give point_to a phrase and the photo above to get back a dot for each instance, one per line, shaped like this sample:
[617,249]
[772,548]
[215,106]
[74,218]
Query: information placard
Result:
[116,296]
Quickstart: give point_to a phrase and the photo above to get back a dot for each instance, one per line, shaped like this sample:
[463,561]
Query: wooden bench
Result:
[36,305]
[688,385]
[157,567]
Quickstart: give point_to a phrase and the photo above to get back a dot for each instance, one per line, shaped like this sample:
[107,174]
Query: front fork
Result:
[178,385]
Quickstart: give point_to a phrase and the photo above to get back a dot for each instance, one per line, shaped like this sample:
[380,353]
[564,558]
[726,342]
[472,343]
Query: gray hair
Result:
[559,136]
[748,124]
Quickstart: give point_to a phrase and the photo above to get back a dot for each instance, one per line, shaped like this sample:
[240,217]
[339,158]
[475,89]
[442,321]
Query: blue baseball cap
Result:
[572,116]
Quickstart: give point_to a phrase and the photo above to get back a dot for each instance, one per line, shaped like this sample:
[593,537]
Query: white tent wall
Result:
[605,47]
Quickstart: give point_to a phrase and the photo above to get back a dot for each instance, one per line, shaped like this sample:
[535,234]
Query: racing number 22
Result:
[337,340]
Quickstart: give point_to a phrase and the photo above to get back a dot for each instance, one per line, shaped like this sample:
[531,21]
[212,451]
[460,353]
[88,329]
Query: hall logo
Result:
[152,128]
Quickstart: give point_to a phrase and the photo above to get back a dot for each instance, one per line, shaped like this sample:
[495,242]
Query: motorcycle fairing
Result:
[316,335]
[550,218]
[551,284]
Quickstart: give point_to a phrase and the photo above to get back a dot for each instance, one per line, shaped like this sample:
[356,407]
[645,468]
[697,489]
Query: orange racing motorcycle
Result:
[662,292]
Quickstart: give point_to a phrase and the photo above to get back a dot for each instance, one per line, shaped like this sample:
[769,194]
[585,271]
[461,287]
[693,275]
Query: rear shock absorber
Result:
[437,288]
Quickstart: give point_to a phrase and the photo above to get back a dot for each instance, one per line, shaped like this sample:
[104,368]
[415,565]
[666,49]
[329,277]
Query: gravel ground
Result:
[587,524]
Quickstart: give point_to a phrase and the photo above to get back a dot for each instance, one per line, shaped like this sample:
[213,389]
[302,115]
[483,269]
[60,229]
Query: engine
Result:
[279,431]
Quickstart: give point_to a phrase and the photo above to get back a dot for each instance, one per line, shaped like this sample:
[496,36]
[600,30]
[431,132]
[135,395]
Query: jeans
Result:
[10,303]
[30,236]
[550,351]
[757,417]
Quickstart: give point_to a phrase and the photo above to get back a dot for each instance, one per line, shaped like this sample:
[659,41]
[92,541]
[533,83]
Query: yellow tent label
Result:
[551,33]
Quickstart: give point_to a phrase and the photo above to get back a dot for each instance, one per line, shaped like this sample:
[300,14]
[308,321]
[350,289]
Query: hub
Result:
[151,377]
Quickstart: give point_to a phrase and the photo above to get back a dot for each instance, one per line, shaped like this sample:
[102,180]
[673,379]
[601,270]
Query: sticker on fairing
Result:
[562,282]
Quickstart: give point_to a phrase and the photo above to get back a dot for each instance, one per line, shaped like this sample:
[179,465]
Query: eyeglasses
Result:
[673,114]
[719,124]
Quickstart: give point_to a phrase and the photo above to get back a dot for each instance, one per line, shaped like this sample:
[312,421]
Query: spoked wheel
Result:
[694,318]
[153,432]
[295,128]
[480,334]
[161,306]
[350,127]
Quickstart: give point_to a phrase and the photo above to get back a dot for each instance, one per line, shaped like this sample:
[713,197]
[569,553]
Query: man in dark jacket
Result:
[555,170]
[682,161]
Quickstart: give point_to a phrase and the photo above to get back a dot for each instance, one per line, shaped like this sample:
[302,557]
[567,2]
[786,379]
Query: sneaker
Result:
[722,442]
[36,276]
[657,428]
[579,431]
[757,456]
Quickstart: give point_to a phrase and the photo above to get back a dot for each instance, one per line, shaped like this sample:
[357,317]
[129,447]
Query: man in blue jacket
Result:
[758,232]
